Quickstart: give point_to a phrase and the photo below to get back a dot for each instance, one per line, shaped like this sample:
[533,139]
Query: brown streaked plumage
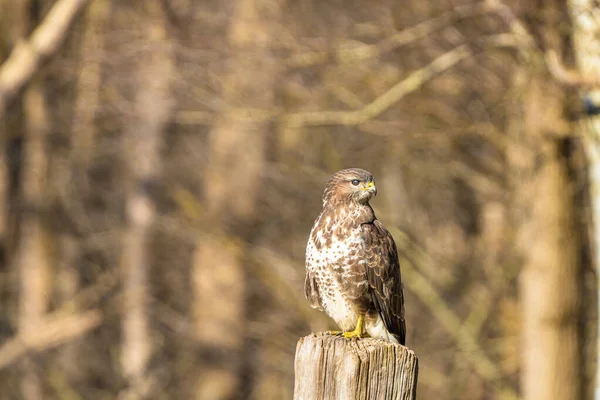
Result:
[352,268]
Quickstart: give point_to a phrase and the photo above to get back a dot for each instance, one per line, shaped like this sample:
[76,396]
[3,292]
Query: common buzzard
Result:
[352,268]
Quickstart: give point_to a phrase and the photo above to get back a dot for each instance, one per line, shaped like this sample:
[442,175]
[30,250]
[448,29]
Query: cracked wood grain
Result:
[330,367]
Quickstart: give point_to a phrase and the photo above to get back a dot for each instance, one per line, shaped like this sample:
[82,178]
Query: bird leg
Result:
[358,332]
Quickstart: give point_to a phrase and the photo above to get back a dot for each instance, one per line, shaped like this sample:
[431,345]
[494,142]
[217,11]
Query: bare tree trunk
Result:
[153,106]
[83,132]
[88,84]
[5,9]
[31,256]
[549,242]
[31,259]
[232,186]
[5,195]
[549,289]
[548,233]
[586,38]
[67,284]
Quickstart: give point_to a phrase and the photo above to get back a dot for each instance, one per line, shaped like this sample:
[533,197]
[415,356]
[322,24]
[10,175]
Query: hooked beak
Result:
[371,187]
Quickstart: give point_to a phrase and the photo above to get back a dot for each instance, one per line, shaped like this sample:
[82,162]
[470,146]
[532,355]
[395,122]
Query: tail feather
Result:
[376,329]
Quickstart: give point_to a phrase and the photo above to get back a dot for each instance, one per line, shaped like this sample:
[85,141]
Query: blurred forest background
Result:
[162,162]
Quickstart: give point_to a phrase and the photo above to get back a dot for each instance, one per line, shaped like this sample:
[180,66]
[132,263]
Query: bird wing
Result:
[383,276]
[311,291]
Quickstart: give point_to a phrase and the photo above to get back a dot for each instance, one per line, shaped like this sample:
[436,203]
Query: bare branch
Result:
[429,295]
[63,325]
[450,322]
[526,42]
[412,83]
[194,117]
[426,28]
[356,51]
[52,331]
[27,56]
[567,76]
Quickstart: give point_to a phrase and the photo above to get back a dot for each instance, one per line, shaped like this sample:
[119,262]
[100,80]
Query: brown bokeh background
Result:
[161,169]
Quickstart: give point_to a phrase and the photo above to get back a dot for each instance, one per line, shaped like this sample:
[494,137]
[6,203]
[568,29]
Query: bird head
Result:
[350,185]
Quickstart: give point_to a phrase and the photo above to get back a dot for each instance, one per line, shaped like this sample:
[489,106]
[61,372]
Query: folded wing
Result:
[384,278]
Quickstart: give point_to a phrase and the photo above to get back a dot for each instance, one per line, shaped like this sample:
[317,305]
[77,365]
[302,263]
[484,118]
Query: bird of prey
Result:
[352,267]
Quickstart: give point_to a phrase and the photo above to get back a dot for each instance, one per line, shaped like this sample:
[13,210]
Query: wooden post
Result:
[334,368]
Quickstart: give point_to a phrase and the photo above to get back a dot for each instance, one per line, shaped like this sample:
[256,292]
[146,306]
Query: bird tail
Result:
[376,329]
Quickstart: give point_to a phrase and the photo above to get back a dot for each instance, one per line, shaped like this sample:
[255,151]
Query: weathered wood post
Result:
[334,368]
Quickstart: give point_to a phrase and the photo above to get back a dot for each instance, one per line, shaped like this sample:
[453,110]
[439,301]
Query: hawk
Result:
[352,267]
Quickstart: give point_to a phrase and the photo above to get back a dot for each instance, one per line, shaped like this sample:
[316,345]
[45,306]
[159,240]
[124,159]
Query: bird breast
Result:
[335,263]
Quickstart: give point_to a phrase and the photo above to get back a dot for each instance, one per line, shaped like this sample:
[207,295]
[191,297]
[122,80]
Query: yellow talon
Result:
[358,332]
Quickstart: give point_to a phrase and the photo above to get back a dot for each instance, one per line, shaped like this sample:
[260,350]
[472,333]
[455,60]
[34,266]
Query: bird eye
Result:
[355,182]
